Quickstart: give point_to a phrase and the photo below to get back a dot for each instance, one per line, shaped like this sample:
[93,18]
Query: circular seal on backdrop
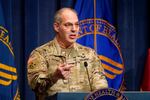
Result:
[106,94]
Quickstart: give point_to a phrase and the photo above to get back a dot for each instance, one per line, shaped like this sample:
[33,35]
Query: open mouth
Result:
[73,36]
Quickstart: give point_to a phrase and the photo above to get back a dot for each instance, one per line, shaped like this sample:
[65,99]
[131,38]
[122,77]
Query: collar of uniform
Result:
[58,48]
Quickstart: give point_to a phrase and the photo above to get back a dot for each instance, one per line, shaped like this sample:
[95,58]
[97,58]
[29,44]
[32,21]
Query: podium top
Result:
[131,95]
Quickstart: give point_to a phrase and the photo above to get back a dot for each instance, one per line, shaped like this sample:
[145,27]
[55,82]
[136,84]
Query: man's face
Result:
[68,29]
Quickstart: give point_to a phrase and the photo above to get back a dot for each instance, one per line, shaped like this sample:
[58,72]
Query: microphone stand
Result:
[85,65]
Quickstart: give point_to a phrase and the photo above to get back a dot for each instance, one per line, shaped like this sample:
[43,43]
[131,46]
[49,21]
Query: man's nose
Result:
[74,28]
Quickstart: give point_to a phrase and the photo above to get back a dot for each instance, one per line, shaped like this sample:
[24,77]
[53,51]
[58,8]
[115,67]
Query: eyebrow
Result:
[71,23]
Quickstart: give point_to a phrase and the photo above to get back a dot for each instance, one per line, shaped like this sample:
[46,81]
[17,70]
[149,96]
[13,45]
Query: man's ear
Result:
[56,26]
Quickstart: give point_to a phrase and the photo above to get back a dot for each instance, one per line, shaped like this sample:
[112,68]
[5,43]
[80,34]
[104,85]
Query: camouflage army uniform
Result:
[44,60]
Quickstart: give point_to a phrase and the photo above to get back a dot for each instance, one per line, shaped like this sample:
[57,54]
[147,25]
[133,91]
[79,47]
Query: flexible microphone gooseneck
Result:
[86,65]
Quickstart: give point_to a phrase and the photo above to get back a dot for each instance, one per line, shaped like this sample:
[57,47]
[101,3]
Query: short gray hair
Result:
[57,16]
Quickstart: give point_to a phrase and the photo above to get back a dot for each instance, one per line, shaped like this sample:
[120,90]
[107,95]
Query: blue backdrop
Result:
[32,26]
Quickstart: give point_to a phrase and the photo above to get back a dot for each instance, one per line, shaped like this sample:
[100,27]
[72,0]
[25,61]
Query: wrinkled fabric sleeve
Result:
[39,78]
[98,78]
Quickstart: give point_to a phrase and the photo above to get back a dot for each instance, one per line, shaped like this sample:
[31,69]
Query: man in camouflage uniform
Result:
[62,65]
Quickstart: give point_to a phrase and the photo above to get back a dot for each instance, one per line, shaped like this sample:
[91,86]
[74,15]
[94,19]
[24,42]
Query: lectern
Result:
[131,95]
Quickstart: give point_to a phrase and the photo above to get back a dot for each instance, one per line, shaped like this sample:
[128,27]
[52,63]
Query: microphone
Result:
[85,65]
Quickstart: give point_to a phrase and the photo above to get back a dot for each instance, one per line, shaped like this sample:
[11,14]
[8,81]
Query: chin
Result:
[72,40]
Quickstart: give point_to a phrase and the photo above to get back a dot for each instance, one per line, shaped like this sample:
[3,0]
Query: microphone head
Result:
[85,64]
